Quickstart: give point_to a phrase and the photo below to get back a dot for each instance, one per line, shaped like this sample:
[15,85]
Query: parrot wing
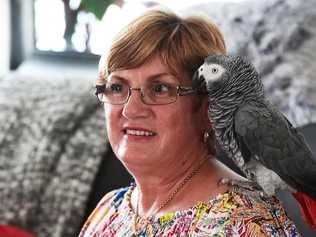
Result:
[272,139]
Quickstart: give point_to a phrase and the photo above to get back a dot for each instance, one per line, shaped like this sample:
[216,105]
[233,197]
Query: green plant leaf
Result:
[97,7]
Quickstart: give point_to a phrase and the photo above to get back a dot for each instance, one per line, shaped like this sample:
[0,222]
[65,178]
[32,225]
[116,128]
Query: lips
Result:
[138,132]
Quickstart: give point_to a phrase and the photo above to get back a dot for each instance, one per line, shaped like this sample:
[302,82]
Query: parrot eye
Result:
[214,70]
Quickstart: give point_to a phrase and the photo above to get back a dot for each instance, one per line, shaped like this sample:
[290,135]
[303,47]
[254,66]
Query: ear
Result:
[205,120]
[207,125]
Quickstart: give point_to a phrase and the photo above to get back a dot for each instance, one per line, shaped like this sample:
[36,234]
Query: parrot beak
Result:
[198,83]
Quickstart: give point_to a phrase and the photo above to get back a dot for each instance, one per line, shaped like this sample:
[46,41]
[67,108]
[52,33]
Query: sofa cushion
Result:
[51,143]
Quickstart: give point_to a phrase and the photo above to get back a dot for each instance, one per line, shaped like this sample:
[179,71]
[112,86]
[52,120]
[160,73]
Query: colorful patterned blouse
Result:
[237,212]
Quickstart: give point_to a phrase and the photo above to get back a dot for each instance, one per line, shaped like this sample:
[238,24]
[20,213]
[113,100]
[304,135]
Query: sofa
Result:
[55,159]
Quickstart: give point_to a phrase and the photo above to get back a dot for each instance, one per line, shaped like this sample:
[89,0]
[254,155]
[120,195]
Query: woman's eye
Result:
[115,88]
[160,88]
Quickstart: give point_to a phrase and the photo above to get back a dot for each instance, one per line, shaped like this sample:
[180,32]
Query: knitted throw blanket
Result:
[51,142]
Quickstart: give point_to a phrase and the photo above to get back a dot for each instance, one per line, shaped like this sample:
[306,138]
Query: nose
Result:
[130,94]
[134,107]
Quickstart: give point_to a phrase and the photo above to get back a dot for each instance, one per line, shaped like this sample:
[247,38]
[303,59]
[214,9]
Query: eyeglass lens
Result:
[151,93]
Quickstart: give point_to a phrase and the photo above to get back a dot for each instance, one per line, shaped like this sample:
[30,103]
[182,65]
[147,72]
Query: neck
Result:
[159,193]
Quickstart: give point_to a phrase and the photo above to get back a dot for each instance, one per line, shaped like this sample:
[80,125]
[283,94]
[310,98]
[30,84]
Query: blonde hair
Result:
[182,43]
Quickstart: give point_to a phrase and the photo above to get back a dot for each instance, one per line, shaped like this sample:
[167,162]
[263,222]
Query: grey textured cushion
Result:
[51,143]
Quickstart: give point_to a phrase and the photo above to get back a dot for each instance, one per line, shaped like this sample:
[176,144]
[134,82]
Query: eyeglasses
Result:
[157,93]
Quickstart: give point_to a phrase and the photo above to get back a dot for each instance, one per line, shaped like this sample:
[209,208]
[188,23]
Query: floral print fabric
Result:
[238,212]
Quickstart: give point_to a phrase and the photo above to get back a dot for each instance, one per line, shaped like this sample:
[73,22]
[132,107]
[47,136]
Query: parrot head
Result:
[231,78]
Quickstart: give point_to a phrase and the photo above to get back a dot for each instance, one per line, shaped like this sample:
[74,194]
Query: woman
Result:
[159,129]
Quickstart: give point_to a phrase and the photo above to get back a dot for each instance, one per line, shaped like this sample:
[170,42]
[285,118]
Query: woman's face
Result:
[152,134]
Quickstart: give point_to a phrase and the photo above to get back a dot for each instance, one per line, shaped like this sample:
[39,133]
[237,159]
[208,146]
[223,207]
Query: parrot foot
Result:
[249,185]
[241,183]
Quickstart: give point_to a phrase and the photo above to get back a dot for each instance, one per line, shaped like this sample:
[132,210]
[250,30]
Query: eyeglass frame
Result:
[181,91]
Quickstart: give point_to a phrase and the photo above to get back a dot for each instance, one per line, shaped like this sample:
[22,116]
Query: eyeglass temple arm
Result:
[99,89]
[186,90]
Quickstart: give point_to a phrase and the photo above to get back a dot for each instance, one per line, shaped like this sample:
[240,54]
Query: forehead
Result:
[154,67]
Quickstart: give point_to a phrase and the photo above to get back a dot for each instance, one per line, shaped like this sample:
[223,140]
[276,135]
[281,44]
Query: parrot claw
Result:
[249,185]
[263,195]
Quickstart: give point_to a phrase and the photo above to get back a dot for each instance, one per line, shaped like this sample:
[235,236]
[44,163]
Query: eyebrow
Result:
[152,77]
[165,74]
[117,77]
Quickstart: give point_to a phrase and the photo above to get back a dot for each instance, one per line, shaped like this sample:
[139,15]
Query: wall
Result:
[4,36]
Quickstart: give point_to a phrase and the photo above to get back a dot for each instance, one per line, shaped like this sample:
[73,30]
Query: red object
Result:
[308,208]
[10,231]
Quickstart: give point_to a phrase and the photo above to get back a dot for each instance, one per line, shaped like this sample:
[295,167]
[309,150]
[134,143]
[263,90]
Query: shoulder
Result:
[107,205]
[246,213]
[249,203]
[262,215]
[114,198]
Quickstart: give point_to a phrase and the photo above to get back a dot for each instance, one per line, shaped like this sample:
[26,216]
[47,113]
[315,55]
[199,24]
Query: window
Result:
[38,27]
[68,26]
[41,29]
[63,26]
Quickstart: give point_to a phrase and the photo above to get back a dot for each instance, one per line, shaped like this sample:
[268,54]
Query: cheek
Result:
[114,130]
[107,116]
[183,124]
[112,123]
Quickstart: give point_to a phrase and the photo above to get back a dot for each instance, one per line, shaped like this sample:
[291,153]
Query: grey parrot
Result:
[253,133]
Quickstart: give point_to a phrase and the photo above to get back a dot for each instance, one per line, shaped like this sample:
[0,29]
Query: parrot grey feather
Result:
[278,146]
[252,132]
